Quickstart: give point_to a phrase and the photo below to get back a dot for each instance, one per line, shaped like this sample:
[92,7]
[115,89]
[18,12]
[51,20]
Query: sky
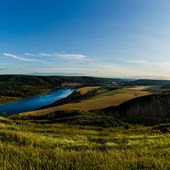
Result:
[104,38]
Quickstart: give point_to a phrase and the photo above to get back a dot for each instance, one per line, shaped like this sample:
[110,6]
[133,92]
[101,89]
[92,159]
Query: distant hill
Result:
[149,82]
[27,85]
[30,85]
[166,86]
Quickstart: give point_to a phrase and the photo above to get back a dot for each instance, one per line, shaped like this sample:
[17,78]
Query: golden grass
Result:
[102,102]
[94,103]
[84,90]
[137,88]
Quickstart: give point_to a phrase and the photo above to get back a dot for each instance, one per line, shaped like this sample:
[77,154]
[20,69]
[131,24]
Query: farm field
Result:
[87,89]
[37,145]
[103,102]
[103,98]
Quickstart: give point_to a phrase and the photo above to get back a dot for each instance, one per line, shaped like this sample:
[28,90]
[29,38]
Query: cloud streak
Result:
[137,61]
[72,56]
[157,64]
[59,55]
[19,58]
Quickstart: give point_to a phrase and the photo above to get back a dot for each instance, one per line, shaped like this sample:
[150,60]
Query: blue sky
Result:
[106,38]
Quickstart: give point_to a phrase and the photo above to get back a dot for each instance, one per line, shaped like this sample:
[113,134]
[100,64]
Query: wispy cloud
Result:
[156,64]
[19,58]
[30,54]
[137,61]
[66,56]
[72,56]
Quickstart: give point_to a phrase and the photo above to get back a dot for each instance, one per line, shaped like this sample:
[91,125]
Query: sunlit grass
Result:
[84,90]
[25,145]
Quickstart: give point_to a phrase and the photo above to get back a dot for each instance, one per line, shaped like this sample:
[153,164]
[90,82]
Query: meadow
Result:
[85,90]
[43,145]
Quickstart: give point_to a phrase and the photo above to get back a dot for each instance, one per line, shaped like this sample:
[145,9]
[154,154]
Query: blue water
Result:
[33,103]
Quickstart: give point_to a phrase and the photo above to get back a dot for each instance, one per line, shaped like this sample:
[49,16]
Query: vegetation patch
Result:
[7,99]
[38,145]
[78,117]
[4,120]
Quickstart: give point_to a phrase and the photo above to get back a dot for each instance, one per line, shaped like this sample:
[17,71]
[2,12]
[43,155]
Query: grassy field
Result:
[87,89]
[4,120]
[37,145]
[102,102]
[103,98]
[6,99]
[83,140]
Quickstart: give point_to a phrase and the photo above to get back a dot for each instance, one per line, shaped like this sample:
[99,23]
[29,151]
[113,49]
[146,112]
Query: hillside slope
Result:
[151,109]
[27,85]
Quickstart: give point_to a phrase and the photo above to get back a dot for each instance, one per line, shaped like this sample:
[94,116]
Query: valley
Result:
[99,126]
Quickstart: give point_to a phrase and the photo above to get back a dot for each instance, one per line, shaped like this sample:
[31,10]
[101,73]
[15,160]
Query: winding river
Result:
[33,103]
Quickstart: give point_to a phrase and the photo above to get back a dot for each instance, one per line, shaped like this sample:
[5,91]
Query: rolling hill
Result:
[27,85]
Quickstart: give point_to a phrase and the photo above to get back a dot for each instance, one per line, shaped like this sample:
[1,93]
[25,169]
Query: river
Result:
[33,103]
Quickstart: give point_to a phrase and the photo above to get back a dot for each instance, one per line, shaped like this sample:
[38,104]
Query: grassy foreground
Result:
[38,145]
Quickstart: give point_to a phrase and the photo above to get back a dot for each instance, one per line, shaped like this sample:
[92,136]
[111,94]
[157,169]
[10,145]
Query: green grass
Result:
[4,120]
[109,92]
[37,145]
